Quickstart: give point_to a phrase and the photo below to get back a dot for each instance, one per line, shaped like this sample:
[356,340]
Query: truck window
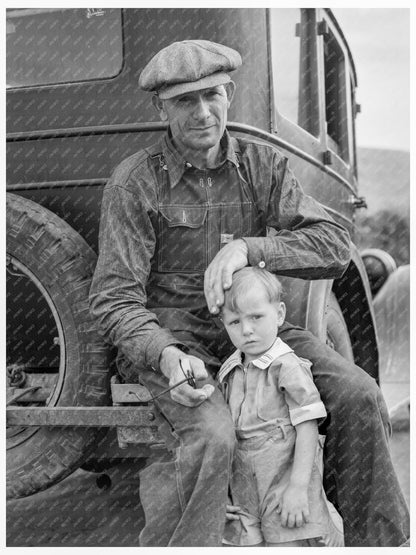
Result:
[50,46]
[335,96]
[285,51]
[293,59]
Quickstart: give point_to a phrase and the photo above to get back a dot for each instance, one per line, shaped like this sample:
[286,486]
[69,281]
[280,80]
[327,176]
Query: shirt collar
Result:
[278,349]
[176,164]
[232,361]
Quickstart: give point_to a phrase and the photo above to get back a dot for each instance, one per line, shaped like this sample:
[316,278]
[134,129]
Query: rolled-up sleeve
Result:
[305,241]
[118,291]
[301,394]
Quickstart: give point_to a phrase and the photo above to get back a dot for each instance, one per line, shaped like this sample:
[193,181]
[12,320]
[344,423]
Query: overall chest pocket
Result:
[182,245]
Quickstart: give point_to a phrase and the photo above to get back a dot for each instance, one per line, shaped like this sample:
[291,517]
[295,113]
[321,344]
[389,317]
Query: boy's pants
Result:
[184,493]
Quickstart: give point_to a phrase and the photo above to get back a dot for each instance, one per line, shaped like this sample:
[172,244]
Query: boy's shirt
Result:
[275,389]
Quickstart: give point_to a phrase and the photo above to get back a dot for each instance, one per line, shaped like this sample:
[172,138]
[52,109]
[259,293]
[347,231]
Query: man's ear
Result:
[230,90]
[160,107]
[281,313]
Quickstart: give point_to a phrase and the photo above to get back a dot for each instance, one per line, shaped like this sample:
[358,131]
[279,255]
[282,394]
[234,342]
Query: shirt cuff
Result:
[315,411]
[159,340]
[256,251]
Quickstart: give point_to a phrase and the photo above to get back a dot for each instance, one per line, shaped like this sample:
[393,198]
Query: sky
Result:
[379,39]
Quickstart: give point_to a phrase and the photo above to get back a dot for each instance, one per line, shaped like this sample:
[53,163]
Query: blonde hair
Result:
[243,282]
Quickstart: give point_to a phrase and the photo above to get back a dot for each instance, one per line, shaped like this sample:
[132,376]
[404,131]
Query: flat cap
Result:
[189,65]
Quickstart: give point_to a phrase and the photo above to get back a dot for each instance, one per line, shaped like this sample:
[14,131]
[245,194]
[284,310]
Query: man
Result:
[177,220]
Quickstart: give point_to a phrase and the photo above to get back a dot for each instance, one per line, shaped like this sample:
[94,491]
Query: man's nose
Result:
[201,110]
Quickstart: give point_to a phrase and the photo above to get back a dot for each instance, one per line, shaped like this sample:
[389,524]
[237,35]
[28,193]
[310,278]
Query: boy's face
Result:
[253,328]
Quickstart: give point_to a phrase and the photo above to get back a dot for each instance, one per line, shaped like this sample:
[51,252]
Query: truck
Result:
[74,111]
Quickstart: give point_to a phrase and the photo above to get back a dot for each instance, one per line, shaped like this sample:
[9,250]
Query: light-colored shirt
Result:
[275,389]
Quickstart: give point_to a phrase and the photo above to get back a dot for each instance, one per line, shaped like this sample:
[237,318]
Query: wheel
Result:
[337,332]
[52,343]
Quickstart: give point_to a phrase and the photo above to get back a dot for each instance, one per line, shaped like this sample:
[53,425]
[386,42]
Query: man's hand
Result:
[184,394]
[218,275]
[294,507]
[232,512]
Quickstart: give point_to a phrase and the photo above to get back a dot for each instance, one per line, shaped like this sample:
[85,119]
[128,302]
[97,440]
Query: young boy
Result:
[276,488]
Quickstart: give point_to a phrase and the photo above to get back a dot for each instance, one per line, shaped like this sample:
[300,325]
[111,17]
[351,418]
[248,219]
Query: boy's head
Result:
[253,311]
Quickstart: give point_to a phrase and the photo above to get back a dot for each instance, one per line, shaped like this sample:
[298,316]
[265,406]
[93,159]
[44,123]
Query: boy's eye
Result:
[256,317]
[234,322]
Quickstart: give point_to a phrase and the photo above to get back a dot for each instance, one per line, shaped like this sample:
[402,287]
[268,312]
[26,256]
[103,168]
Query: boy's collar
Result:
[278,349]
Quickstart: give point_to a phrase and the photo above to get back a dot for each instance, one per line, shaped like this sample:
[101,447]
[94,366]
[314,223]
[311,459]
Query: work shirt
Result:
[275,389]
[163,221]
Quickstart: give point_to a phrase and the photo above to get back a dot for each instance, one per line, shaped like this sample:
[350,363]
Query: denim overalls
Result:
[197,215]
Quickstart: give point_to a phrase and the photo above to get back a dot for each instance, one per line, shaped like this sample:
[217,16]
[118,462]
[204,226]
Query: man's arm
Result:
[118,292]
[305,241]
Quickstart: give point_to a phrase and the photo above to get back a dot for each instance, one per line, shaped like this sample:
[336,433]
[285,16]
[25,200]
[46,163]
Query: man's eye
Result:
[257,316]
[183,99]
[212,95]
[234,322]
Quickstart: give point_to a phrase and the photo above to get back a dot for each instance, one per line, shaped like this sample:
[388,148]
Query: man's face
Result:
[197,119]
[253,327]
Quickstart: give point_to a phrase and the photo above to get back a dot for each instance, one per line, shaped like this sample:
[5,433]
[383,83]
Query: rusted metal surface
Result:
[129,393]
[125,394]
[37,388]
[128,435]
[81,416]
[23,394]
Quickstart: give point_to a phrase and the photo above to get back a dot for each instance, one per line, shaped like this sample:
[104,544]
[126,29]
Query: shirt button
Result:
[262,264]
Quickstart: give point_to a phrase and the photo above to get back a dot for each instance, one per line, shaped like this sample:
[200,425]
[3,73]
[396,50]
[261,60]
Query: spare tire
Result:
[49,269]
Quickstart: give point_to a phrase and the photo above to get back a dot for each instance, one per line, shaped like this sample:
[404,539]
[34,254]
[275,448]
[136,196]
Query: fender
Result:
[306,303]
[353,293]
